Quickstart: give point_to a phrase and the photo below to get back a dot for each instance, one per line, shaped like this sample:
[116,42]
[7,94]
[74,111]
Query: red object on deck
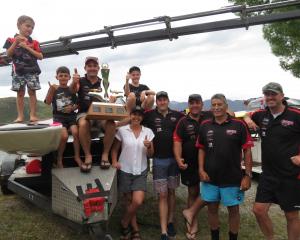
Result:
[34,166]
[94,204]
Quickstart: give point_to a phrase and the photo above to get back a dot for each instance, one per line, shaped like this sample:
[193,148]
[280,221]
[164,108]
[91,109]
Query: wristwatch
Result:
[248,174]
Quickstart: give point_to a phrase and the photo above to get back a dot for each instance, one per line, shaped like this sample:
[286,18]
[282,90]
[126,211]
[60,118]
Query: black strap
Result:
[99,185]
[89,186]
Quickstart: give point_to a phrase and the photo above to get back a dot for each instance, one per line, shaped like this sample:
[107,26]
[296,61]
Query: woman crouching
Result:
[136,142]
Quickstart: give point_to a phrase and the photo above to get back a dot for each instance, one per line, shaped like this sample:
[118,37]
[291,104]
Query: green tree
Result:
[284,37]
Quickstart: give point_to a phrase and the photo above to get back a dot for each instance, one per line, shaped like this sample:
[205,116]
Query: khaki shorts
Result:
[97,126]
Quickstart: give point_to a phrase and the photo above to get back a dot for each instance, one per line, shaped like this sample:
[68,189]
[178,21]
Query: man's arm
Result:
[248,120]
[177,149]
[201,161]
[246,180]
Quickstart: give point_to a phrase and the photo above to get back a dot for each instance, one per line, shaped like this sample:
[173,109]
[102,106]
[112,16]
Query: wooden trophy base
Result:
[106,111]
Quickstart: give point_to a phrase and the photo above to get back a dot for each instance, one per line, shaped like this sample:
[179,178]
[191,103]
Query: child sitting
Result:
[64,104]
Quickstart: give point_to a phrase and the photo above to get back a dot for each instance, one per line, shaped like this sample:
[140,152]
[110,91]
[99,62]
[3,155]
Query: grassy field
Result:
[20,220]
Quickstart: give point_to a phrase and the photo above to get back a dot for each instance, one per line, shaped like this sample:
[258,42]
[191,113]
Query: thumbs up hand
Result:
[147,143]
[52,87]
[76,76]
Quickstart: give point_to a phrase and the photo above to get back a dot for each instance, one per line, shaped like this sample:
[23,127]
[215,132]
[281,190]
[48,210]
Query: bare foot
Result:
[187,216]
[19,120]
[59,164]
[88,159]
[78,161]
[33,119]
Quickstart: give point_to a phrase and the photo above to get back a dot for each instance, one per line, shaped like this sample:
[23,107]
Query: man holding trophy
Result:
[83,86]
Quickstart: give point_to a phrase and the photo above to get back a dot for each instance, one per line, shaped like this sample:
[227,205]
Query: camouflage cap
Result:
[272,87]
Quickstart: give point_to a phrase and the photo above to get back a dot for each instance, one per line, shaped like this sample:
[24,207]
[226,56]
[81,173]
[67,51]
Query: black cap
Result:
[162,94]
[195,97]
[137,109]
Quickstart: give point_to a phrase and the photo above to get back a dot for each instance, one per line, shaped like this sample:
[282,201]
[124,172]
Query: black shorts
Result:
[283,191]
[66,121]
[190,176]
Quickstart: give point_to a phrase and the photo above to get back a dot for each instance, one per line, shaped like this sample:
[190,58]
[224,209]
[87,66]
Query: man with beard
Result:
[279,183]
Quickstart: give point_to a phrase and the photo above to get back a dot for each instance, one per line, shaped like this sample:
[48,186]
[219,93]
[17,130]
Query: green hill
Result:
[8,110]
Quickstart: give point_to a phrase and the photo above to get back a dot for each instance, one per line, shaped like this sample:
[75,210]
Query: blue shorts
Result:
[228,196]
[166,174]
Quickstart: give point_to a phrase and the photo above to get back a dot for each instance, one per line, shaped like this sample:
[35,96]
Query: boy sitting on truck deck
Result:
[64,104]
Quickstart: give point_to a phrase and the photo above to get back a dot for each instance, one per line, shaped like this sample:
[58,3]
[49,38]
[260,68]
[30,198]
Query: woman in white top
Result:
[136,142]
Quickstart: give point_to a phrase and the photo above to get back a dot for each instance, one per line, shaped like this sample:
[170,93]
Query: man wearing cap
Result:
[83,85]
[186,153]
[279,183]
[162,121]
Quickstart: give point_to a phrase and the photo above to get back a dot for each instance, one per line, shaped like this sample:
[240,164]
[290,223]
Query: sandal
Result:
[135,235]
[86,167]
[104,164]
[125,232]
[191,235]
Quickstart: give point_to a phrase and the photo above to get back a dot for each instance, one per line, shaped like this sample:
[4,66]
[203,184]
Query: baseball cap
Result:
[195,97]
[137,109]
[162,94]
[94,59]
[272,87]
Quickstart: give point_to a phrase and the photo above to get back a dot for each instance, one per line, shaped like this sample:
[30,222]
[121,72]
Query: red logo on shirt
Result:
[231,132]
[286,123]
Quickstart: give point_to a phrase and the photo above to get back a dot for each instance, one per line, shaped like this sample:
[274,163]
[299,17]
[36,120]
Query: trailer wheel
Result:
[4,188]
[96,232]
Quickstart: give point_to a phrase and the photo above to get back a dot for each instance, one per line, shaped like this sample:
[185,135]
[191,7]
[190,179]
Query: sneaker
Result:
[171,230]
[164,237]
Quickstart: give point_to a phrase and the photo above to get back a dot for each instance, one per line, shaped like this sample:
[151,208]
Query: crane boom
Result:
[106,37]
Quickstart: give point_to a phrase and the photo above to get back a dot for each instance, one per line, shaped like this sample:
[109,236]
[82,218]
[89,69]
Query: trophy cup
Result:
[101,108]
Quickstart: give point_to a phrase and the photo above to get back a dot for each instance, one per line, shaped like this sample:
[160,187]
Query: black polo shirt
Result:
[280,140]
[186,132]
[23,61]
[163,128]
[223,144]
[84,100]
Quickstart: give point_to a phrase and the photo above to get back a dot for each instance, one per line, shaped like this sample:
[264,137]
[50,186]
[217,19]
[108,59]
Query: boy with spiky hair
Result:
[24,52]
[64,104]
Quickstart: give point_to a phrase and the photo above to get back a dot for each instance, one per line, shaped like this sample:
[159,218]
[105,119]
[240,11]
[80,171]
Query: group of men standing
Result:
[207,147]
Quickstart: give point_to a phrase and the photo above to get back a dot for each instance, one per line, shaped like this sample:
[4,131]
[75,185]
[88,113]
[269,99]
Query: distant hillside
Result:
[236,105]
[8,111]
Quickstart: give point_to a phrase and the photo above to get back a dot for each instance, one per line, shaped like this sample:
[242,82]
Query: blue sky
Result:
[235,62]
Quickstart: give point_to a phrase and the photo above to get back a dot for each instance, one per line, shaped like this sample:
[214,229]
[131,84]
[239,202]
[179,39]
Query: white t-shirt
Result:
[133,158]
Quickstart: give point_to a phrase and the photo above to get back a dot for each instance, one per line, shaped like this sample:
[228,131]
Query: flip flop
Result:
[85,167]
[104,164]
[191,235]
[18,121]
[135,235]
